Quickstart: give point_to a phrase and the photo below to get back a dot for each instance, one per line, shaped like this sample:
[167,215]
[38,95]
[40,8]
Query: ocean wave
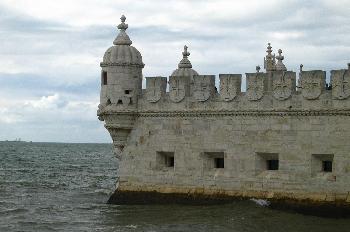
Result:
[13,211]
[261,202]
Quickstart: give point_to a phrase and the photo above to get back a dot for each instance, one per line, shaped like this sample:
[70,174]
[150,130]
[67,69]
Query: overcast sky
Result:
[50,51]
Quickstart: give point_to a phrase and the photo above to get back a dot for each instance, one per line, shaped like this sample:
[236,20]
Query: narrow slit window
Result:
[104,78]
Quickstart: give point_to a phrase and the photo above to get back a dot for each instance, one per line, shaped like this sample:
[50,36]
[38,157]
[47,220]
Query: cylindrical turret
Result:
[121,85]
[121,75]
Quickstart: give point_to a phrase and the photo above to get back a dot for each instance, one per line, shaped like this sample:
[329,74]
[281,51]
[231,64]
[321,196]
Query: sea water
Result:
[65,187]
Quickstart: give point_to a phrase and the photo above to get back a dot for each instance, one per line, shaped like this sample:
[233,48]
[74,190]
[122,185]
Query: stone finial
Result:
[257,68]
[280,66]
[185,53]
[123,25]
[300,75]
[269,60]
[269,49]
[185,63]
[122,38]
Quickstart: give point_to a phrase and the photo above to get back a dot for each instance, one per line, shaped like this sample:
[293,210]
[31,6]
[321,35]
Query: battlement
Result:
[271,90]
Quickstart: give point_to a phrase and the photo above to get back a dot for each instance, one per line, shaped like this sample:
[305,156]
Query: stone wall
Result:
[278,139]
[303,131]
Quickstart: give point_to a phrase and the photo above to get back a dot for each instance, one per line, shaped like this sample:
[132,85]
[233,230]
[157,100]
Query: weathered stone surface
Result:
[256,85]
[204,87]
[340,80]
[313,83]
[284,84]
[230,86]
[155,88]
[178,88]
[194,140]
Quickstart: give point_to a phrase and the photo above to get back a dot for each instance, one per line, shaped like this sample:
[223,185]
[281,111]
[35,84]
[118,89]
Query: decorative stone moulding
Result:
[178,88]
[253,113]
[204,87]
[230,86]
[256,85]
[283,84]
[340,80]
[119,126]
[313,83]
[155,88]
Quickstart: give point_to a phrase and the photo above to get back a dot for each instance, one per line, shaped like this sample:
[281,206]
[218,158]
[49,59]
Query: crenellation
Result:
[340,83]
[155,88]
[278,139]
[313,84]
[230,86]
[204,87]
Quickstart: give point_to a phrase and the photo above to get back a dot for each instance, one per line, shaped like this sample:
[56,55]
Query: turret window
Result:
[104,78]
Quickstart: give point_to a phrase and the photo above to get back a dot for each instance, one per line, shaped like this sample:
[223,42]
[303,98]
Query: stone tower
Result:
[121,85]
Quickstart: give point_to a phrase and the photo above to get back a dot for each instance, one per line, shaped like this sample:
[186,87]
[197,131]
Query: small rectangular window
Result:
[327,166]
[165,160]
[219,162]
[266,162]
[169,161]
[213,160]
[321,163]
[127,91]
[272,164]
[104,78]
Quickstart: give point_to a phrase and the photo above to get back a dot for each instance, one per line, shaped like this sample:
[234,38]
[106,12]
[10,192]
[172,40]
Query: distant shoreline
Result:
[8,141]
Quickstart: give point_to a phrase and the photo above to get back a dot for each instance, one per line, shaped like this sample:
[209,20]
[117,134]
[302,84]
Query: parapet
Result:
[275,89]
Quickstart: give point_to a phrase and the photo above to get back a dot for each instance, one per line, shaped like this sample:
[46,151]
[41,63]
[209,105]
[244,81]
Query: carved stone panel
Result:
[177,88]
[204,87]
[255,85]
[230,86]
[283,84]
[312,83]
[340,80]
[155,88]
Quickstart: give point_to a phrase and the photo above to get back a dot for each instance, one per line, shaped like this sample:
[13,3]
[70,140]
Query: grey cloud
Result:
[30,85]
[310,32]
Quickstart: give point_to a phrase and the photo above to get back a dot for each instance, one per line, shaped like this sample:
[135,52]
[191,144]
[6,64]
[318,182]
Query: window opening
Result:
[272,164]
[219,162]
[104,78]
[327,166]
